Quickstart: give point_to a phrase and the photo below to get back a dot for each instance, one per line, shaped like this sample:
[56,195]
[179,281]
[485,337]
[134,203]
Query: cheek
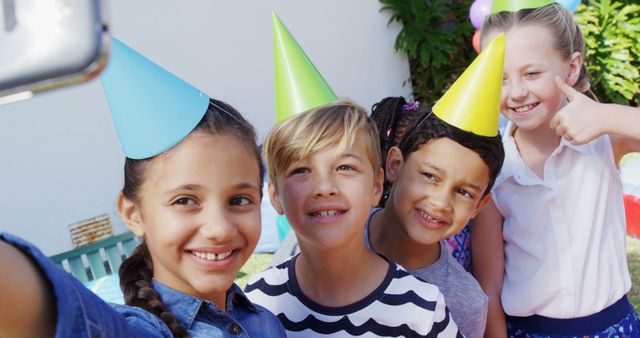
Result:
[250,226]
[464,211]
[409,192]
[291,194]
[503,98]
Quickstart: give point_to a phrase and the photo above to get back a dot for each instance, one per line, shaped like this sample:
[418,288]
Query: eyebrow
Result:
[442,172]
[190,187]
[195,187]
[350,155]
[533,65]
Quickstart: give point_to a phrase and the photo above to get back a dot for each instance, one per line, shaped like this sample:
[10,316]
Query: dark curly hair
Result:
[409,126]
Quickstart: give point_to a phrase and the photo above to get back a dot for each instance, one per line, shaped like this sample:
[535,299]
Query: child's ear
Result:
[378,186]
[575,67]
[483,201]
[130,214]
[394,163]
[275,199]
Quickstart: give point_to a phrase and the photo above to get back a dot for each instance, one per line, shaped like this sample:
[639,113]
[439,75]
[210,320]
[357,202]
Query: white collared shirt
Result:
[565,254]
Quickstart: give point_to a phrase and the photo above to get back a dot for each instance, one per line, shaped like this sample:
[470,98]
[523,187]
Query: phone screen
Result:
[50,43]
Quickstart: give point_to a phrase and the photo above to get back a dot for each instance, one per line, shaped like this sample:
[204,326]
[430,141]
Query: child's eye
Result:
[430,176]
[185,201]
[346,167]
[240,201]
[531,74]
[464,193]
[300,170]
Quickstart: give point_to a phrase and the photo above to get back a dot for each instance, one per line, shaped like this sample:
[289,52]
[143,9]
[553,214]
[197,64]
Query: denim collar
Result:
[185,307]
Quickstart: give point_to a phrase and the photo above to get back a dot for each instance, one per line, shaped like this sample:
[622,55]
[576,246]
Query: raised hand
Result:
[581,120]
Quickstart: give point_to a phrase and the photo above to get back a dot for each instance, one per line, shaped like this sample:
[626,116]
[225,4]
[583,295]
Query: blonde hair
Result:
[567,33]
[343,123]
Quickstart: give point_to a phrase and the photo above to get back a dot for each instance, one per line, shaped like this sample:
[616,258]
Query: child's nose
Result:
[517,90]
[440,200]
[325,185]
[217,226]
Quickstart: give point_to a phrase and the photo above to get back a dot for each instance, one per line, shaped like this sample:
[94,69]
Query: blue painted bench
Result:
[97,259]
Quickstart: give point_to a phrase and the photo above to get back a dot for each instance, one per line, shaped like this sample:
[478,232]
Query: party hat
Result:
[473,101]
[298,84]
[153,110]
[516,5]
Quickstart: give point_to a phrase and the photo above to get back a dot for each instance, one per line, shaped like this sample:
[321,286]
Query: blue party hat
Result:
[153,110]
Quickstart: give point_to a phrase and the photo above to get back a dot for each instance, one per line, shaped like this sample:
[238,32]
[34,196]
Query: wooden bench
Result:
[97,259]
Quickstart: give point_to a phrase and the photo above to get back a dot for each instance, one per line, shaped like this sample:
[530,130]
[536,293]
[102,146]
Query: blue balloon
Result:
[570,5]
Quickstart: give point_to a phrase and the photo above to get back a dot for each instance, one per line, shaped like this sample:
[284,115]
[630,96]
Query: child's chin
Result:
[425,237]
[216,285]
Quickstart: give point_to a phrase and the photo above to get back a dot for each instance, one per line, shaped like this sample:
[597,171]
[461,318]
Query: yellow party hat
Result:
[473,101]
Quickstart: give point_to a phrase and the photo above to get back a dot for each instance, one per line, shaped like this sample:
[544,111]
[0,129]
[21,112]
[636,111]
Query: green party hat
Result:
[516,5]
[299,86]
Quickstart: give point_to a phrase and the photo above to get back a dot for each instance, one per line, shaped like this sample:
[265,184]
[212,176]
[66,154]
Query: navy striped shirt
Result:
[402,306]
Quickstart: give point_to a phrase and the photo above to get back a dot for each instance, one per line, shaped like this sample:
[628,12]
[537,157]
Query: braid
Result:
[407,120]
[392,121]
[386,114]
[135,281]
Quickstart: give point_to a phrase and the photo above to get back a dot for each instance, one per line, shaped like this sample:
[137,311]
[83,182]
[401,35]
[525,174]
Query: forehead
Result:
[359,150]
[527,43]
[453,159]
[202,159]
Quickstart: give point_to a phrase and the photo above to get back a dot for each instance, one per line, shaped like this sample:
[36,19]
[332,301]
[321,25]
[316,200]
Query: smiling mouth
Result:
[327,213]
[526,108]
[212,256]
[430,219]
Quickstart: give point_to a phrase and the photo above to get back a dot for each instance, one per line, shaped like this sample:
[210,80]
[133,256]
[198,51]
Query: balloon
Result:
[570,5]
[478,11]
[476,41]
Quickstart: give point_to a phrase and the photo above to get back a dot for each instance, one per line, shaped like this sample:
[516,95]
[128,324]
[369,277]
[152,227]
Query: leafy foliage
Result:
[612,38]
[436,36]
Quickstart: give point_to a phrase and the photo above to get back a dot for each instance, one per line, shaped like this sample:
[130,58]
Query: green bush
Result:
[436,36]
[612,38]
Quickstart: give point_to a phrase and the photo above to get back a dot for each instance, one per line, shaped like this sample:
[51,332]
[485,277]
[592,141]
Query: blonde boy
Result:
[324,176]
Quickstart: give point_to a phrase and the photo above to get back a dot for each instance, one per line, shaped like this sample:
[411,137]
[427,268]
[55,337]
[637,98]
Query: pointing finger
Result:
[567,90]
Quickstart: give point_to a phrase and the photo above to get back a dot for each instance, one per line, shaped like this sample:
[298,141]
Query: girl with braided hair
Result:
[394,115]
[424,156]
[192,192]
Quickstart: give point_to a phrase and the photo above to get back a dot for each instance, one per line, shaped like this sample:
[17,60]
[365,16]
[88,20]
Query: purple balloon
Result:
[570,5]
[478,11]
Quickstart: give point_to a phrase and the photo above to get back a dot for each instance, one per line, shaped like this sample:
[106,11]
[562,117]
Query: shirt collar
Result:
[510,164]
[185,307]
[582,148]
[512,167]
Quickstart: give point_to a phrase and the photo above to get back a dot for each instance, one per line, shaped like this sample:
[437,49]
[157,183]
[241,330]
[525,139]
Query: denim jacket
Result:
[80,313]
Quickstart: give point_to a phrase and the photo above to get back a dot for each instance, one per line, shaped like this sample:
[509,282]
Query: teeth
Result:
[326,213]
[211,256]
[429,218]
[524,108]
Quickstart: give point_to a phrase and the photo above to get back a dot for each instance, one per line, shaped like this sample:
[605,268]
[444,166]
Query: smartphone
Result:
[46,44]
